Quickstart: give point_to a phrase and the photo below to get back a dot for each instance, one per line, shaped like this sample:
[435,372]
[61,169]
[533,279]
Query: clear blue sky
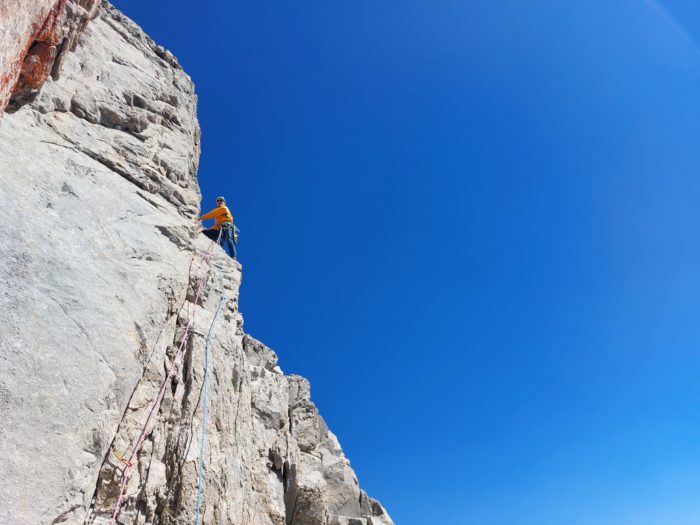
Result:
[474,226]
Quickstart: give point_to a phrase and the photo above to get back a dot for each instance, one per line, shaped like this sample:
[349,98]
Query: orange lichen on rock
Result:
[40,57]
[36,68]
[48,33]
[20,24]
[33,40]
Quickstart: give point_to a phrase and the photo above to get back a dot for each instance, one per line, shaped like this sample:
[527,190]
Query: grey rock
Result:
[20,22]
[99,265]
[34,39]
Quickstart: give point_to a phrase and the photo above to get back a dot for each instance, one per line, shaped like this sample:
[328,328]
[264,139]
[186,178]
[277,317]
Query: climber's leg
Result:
[228,242]
[212,234]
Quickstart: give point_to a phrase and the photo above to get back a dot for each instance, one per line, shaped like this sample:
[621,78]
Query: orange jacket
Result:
[220,214]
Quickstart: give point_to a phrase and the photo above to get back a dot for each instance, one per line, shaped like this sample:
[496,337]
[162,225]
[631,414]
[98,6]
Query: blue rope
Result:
[204,412]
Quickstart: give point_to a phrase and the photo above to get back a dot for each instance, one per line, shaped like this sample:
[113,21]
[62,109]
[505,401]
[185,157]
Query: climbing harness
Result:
[161,394]
[204,409]
[226,225]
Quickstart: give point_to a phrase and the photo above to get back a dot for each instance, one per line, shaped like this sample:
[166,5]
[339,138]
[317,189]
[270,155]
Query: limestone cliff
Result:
[99,258]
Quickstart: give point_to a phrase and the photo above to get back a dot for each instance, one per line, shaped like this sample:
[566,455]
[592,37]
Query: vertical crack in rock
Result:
[109,472]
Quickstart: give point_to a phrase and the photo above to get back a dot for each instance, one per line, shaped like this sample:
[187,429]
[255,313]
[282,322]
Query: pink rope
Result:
[161,394]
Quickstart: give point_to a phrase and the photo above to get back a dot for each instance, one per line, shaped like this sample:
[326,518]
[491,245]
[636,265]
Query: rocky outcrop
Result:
[99,263]
[34,39]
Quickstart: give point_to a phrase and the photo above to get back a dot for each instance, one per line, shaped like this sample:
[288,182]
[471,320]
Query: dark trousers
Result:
[226,239]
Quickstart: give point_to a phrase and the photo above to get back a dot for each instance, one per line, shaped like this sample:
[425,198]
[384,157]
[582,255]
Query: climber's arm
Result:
[206,216]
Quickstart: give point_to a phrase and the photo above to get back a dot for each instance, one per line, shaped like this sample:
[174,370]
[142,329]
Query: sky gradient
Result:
[473,226]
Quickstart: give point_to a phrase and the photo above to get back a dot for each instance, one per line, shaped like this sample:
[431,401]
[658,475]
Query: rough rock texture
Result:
[20,22]
[98,257]
[34,38]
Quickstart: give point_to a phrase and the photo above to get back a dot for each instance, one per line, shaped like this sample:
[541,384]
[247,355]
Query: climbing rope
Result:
[161,394]
[204,409]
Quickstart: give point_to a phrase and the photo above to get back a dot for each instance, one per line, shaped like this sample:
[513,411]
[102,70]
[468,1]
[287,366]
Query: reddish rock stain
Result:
[54,32]
[41,52]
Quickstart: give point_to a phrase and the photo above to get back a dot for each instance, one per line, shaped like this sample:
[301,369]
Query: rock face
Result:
[35,38]
[100,263]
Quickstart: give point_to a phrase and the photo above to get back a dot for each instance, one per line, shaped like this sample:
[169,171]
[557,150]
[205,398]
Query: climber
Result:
[223,220]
